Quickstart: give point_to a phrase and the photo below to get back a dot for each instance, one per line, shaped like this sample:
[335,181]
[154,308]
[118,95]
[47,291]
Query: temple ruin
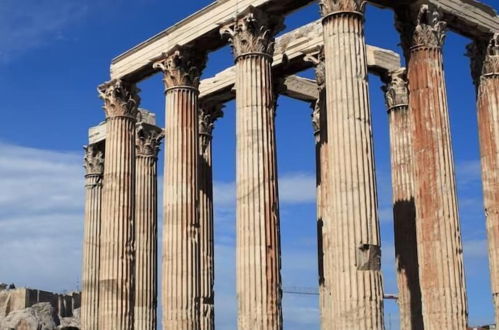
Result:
[120,243]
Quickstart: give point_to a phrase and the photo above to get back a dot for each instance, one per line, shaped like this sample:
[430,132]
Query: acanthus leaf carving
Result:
[93,161]
[316,116]
[396,91]
[491,61]
[182,67]
[329,7]
[208,114]
[252,32]
[121,99]
[148,140]
[426,30]
[317,58]
[484,58]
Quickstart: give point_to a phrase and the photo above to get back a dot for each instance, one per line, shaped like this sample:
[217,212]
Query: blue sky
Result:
[54,53]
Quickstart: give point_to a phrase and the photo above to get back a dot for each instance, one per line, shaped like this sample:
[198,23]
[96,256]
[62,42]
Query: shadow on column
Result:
[406,252]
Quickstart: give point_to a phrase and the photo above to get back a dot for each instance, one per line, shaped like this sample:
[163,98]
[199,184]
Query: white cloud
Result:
[41,214]
[475,248]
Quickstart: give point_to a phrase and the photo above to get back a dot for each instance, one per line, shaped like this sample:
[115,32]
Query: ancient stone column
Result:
[352,219]
[148,140]
[440,249]
[181,241]
[486,73]
[404,209]
[94,168]
[117,265]
[258,239]
[319,123]
[208,114]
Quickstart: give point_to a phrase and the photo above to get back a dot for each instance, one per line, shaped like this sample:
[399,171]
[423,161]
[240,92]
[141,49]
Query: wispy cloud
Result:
[28,24]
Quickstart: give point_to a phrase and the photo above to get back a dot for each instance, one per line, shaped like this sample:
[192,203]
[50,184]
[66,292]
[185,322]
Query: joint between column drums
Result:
[121,116]
[418,48]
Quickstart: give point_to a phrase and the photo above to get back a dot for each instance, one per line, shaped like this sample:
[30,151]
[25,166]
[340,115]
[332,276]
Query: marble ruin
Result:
[120,244]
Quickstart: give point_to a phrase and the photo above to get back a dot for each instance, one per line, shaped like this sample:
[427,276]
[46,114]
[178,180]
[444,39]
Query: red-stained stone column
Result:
[404,209]
[440,253]
[208,114]
[354,257]
[486,74]
[117,265]
[258,238]
[146,229]
[181,240]
[94,168]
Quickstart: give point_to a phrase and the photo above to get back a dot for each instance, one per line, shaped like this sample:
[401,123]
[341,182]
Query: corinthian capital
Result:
[121,99]
[93,162]
[484,56]
[396,91]
[182,67]
[426,30]
[208,114]
[252,32]
[148,140]
[491,61]
[329,7]
[317,58]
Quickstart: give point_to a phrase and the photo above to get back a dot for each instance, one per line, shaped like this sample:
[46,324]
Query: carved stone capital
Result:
[396,91]
[484,58]
[318,59]
[182,67]
[252,32]
[316,116]
[121,99]
[329,7]
[425,30]
[208,114]
[93,161]
[148,140]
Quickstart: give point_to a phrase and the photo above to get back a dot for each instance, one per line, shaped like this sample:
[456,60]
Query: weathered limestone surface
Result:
[258,237]
[94,168]
[486,73]
[181,239]
[148,140]
[40,316]
[440,254]
[352,220]
[289,58]
[319,123]
[117,266]
[208,114]
[404,209]
[466,16]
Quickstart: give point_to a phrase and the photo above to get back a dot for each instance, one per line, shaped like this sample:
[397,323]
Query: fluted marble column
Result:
[181,241]
[319,123]
[258,238]
[148,140]
[486,73]
[117,266]
[352,219]
[440,249]
[208,114]
[94,169]
[404,209]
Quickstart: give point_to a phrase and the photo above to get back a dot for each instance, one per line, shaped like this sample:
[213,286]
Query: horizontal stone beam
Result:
[290,51]
[302,89]
[201,29]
